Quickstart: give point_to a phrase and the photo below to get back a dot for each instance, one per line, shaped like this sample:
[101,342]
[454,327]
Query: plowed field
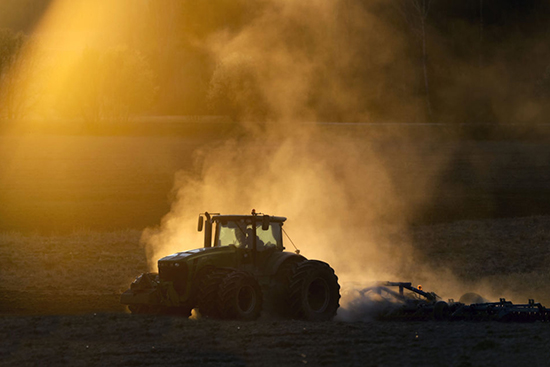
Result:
[73,210]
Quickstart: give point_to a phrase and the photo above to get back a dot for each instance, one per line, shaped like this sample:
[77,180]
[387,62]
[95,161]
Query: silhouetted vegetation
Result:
[469,61]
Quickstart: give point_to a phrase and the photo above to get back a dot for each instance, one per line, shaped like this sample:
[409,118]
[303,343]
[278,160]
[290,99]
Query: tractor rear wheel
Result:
[240,296]
[208,298]
[314,291]
[277,298]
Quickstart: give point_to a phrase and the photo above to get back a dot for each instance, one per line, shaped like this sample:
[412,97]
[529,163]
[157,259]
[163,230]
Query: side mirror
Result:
[201,223]
[265,223]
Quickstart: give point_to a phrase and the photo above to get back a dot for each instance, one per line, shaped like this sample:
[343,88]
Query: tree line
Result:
[462,61]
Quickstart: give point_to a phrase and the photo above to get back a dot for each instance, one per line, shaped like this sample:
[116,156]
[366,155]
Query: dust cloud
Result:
[347,195]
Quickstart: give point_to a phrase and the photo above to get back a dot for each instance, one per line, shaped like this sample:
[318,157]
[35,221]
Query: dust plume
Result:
[349,194]
[347,197]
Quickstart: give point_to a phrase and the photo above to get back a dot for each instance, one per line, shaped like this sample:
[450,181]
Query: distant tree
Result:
[416,14]
[15,78]
[112,84]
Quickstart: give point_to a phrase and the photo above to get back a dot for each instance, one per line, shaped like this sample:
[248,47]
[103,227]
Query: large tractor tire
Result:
[208,296]
[240,297]
[314,291]
[277,298]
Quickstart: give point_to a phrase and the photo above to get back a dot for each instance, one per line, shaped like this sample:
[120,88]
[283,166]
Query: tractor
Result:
[241,272]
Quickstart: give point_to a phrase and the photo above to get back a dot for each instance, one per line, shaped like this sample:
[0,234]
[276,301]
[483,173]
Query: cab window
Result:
[240,234]
[269,238]
[231,233]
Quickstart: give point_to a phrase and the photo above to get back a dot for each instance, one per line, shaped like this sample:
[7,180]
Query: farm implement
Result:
[402,301]
[243,270]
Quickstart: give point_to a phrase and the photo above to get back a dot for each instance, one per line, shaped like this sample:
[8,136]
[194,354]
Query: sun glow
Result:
[75,55]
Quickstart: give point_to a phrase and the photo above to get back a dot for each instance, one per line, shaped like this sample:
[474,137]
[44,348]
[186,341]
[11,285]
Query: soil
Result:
[70,245]
[64,310]
[109,339]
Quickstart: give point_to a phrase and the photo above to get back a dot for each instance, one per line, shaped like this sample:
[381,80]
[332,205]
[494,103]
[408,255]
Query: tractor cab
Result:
[248,232]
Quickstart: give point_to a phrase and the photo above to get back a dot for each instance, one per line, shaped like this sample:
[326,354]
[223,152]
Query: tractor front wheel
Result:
[208,297]
[240,296]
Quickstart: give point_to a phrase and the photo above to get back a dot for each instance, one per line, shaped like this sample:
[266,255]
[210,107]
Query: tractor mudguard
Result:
[278,259]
